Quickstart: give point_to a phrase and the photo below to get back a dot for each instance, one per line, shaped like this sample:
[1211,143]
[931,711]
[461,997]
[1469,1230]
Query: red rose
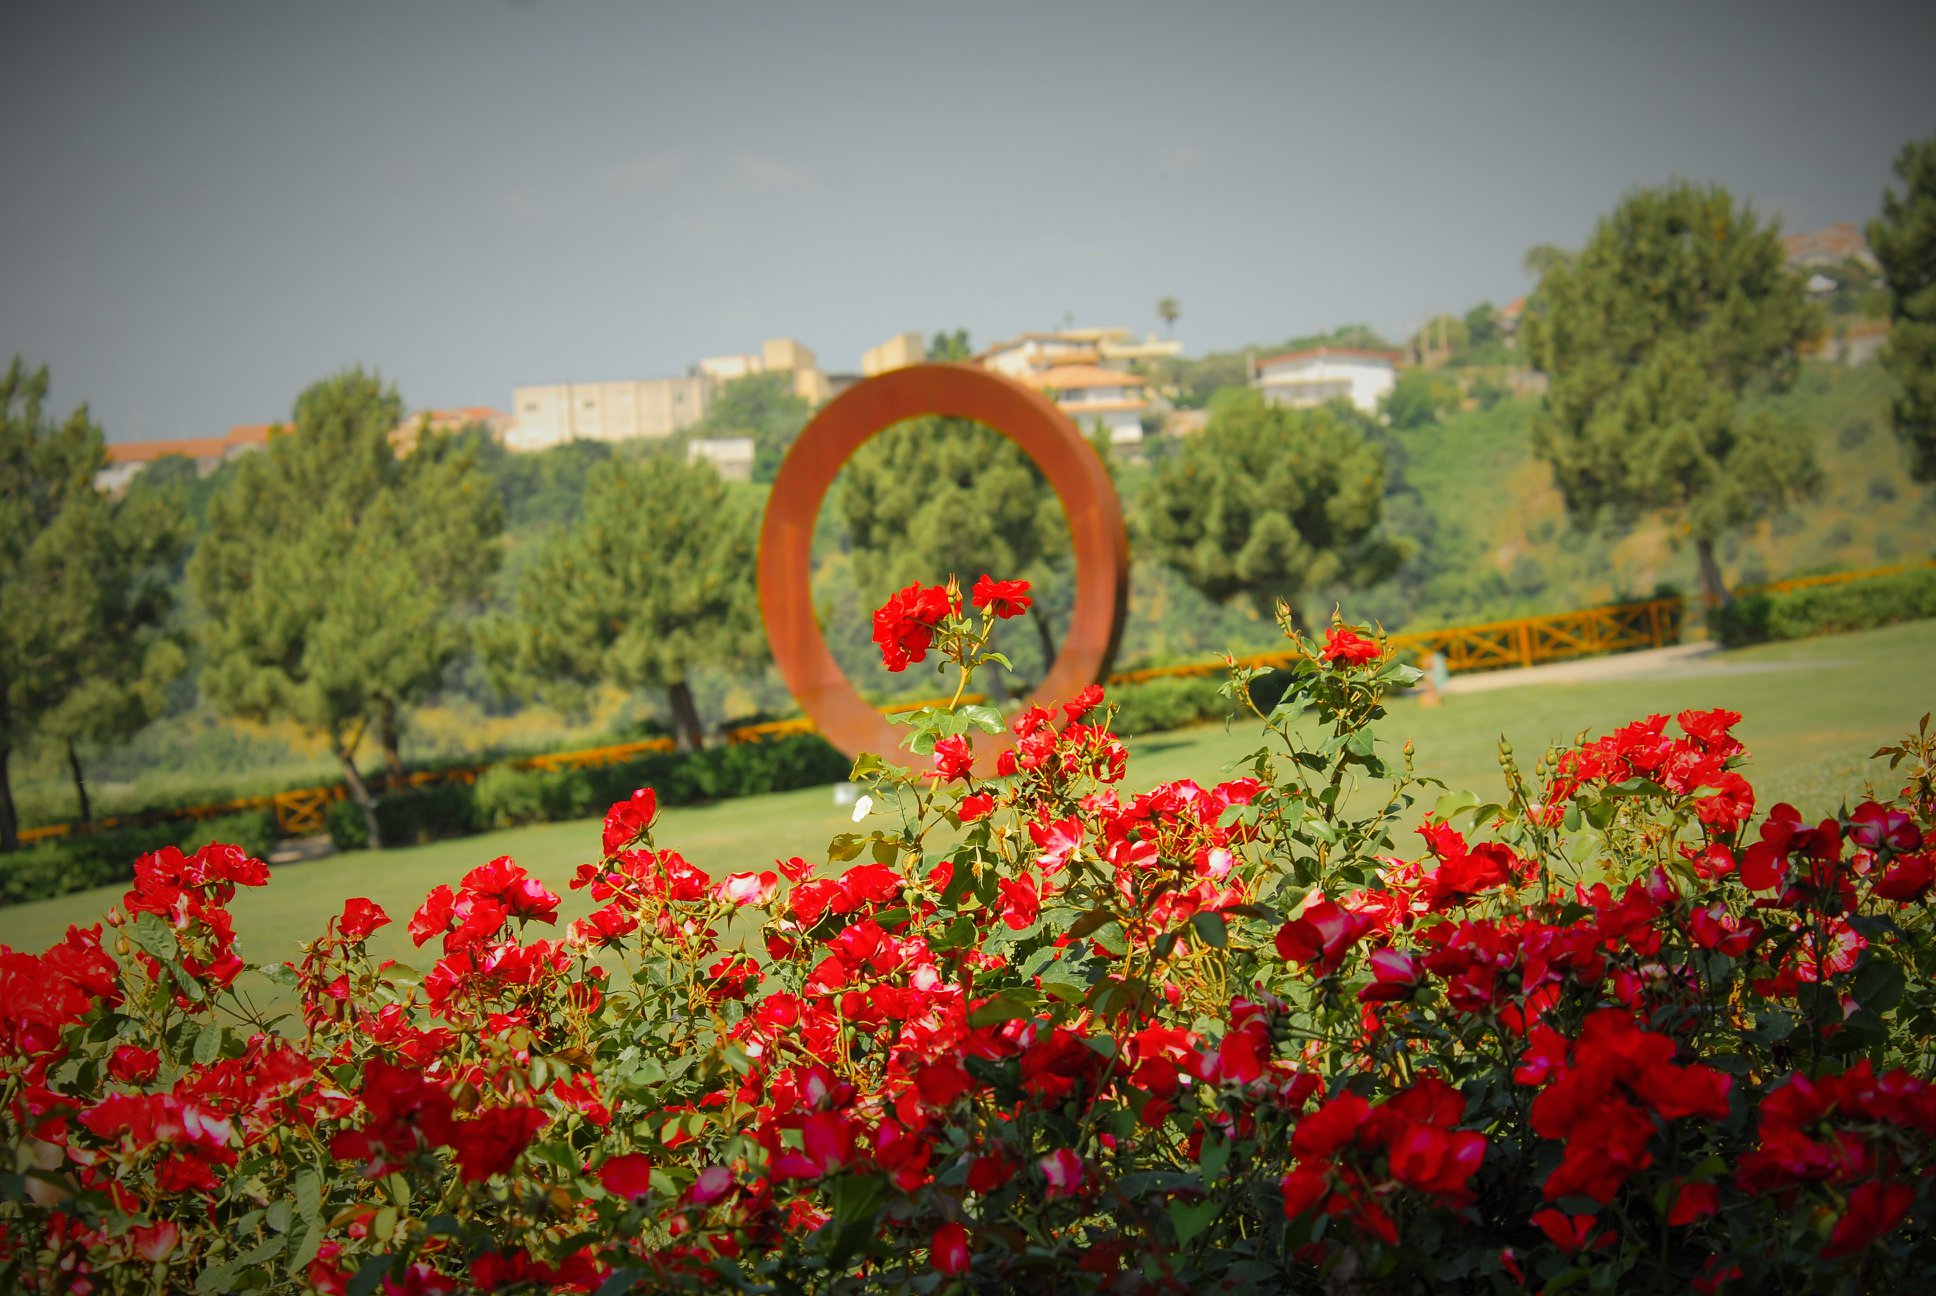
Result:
[360,918]
[1342,645]
[1874,1208]
[953,757]
[628,821]
[904,626]
[1009,598]
[948,1253]
[491,1141]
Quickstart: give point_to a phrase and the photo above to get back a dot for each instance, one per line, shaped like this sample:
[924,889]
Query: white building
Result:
[731,457]
[1022,357]
[605,411]
[1090,395]
[1302,379]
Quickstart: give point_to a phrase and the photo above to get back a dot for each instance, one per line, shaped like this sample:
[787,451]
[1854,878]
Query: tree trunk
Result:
[360,793]
[80,785]
[1714,589]
[9,826]
[1048,641]
[685,717]
[387,732]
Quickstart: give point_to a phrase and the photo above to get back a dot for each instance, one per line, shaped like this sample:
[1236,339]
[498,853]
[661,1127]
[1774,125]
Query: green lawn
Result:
[1814,712]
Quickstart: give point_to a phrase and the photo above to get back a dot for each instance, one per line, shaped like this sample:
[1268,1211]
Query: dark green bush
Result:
[1172,703]
[344,822]
[506,796]
[426,814]
[1826,609]
[106,857]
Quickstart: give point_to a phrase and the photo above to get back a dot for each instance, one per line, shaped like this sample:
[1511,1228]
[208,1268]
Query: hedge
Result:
[505,796]
[1826,609]
[82,860]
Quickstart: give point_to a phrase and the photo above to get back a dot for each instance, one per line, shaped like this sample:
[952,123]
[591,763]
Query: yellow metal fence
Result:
[1491,645]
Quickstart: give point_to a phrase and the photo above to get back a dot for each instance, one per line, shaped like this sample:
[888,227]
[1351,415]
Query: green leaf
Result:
[208,1045]
[985,718]
[1210,928]
[844,847]
[1213,1157]
[1190,1219]
[620,1282]
[857,1202]
[153,936]
[368,1275]
[1879,985]
[1453,804]
[1007,1006]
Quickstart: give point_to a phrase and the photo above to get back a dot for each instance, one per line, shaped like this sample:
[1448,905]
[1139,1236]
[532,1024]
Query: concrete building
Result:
[898,352]
[606,411]
[731,457]
[126,459]
[1302,379]
[777,355]
[1090,395]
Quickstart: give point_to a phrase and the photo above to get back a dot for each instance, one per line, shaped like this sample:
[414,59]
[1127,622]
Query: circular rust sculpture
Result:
[1024,416]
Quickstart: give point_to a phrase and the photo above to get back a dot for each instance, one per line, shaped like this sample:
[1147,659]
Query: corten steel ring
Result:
[1024,416]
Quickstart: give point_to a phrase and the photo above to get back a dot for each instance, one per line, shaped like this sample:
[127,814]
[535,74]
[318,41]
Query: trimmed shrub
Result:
[1826,609]
[1155,705]
[426,814]
[84,860]
[344,823]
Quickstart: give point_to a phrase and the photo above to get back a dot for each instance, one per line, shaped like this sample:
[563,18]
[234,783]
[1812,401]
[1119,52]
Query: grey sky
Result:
[210,206]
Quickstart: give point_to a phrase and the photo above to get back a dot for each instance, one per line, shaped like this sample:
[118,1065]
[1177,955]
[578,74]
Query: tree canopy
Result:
[1267,503]
[1679,305]
[762,406]
[653,580]
[83,581]
[1903,239]
[334,574]
[938,495]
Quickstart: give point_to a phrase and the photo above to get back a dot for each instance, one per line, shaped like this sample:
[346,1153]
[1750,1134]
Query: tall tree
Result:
[1679,305]
[1904,241]
[654,580]
[57,536]
[939,495]
[1168,310]
[120,677]
[1267,502]
[334,575]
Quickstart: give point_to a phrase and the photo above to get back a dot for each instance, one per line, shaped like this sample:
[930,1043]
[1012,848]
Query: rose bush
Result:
[1616,1030]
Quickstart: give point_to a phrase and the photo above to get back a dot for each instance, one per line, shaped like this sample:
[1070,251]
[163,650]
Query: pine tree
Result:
[1680,305]
[335,575]
[1904,241]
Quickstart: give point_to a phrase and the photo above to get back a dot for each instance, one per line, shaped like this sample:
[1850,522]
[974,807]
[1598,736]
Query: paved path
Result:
[1679,660]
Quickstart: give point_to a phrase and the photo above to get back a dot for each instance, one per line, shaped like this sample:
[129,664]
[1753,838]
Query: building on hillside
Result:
[1030,353]
[731,457]
[606,411]
[1833,246]
[1091,395]
[127,459]
[898,352]
[777,355]
[1302,379]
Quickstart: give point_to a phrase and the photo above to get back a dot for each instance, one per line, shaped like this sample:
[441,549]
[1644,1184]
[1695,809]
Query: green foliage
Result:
[953,346]
[1267,502]
[1417,399]
[335,574]
[506,796]
[1826,609]
[1904,241]
[84,584]
[762,406]
[106,856]
[653,581]
[1679,305]
[347,828]
[947,495]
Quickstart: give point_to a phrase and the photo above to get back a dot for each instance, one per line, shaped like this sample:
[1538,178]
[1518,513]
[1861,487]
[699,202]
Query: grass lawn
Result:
[1814,712]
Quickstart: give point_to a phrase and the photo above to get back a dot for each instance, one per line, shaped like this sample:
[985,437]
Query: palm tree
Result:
[1169,310]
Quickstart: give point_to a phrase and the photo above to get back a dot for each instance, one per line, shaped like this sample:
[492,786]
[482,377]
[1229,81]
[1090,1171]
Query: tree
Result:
[1267,502]
[1169,312]
[120,676]
[653,581]
[334,575]
[77,577]
[1904,241]
[762,406]
[1482,324]
[1679,305]
[950,346]
[1416,399]
[939,495]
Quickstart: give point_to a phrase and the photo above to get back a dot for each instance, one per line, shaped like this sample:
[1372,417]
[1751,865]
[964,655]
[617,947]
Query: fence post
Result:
[1525,643]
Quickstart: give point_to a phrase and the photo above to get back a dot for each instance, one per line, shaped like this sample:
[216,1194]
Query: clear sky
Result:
[211,205]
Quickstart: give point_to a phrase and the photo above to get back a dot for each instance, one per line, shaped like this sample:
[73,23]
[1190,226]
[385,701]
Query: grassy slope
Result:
[1503,515]
[1814,711]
